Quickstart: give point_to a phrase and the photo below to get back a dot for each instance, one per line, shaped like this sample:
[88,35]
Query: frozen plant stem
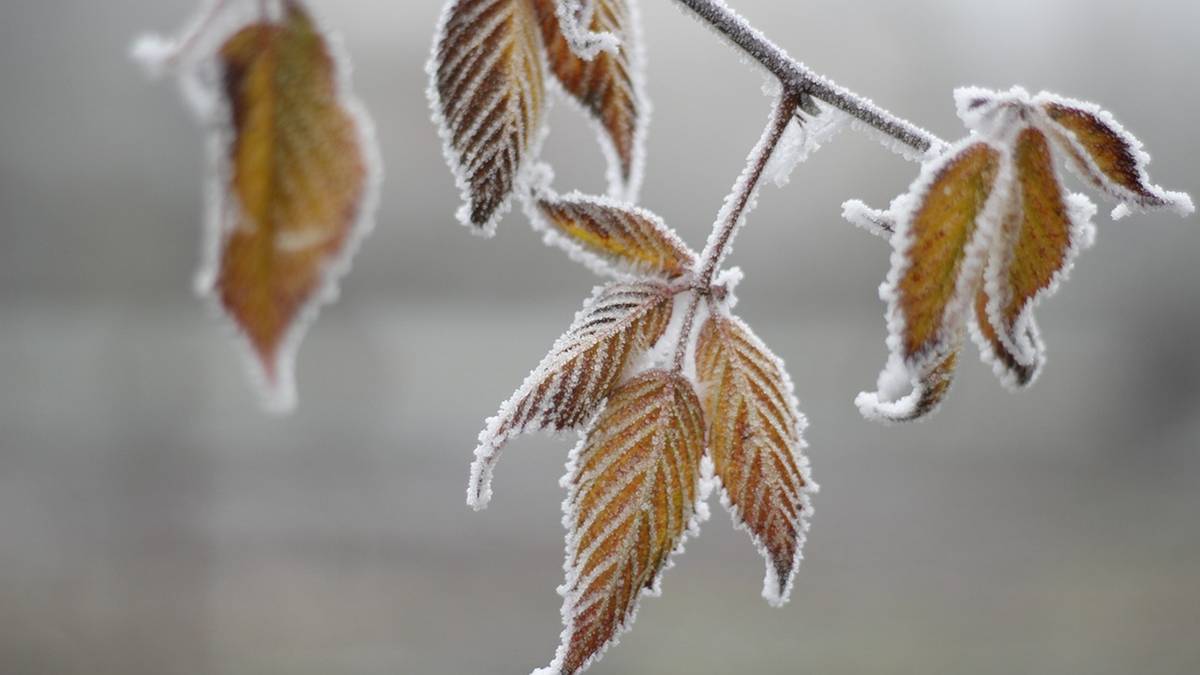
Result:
[796,77]
[732,213]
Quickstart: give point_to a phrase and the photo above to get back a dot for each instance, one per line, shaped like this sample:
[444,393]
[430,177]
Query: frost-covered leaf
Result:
[936,265]
[634,485]
[563,392]
[605,82]
[754,439]
[933,245]
[488,96]
[294,174]
[1036,242]
[1107,155]
[612,237]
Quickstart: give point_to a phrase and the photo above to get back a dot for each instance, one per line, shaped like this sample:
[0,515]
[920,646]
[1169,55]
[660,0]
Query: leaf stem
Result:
[796,76]
[733,212]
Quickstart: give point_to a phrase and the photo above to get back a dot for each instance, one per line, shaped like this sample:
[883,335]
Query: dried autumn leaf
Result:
[298,172]
[612,237]
[488,96]
[634,491]
[1106,154]
[606,85]
[1035,244]
[754,440]
[935,272]
[563,392]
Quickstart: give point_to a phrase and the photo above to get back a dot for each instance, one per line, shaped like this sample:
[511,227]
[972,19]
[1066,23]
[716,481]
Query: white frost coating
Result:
[1028,349]
[1179,202]
[897,396]
[777,62]
[611,302]
[525,175]
[596,263]
[700,514]
[635,47]
[900,387]
[573,18]
[879,223]
[154,54]
[776,591]
[193,60]
[719,236]
[1121,211]
[729,279]
[801,139]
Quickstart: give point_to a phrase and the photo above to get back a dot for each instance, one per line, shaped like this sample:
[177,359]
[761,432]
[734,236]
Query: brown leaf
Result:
[1006,365]
[754,440]
[1103,152]
[935,243]
[634,486]
[616,237]
[563,392]
[605,86]
[489,99]
[296,182]
[935,274]
[1034,246]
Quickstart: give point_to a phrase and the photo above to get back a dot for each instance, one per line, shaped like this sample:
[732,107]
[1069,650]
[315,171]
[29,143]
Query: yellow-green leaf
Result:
[614,237]
[297,175]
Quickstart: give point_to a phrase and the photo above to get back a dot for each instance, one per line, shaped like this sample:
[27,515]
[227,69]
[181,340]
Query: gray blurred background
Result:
[154,522]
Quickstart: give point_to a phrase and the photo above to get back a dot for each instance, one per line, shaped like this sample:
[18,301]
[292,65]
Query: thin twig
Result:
[794,75]
[736,204]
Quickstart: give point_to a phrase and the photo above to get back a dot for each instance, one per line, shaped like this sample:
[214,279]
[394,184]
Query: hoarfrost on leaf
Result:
[562,393]
[294,172]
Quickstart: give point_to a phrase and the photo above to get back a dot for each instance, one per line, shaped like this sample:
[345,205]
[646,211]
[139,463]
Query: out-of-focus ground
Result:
[154,522]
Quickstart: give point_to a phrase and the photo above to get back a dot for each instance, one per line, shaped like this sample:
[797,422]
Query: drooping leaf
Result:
[754,440]
[488,95]
[634,486]
[1107,155]
[612,237]
[563,392]
[1034,246]
[996,352]
[937,259]
[606,84]
[298,173]
[933,242]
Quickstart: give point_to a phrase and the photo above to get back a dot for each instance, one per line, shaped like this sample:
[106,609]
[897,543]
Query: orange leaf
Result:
[934,241]
[564,391]
[606,86]
[489,100]
[1108,155]
[938,251]
[1034,246]
[296,183]
[613,237]
[995,351]
[754,439]
[634,488]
